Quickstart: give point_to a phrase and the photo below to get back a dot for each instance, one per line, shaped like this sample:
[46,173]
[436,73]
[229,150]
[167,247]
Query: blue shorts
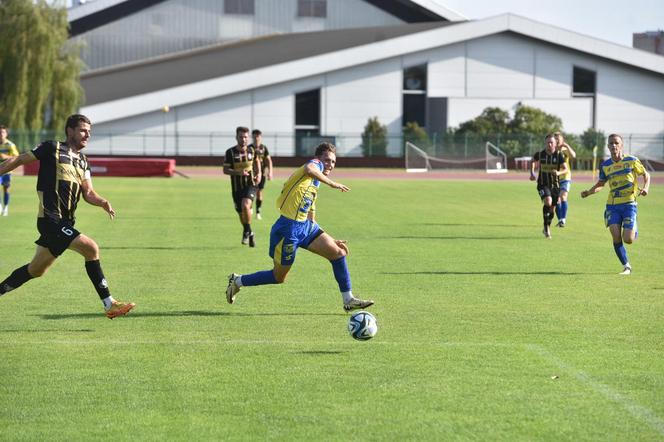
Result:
[565,185]
[621,214]
[287,235]
[6,179]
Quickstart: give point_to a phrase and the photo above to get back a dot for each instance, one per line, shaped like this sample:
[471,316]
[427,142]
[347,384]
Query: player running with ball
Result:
[296,227]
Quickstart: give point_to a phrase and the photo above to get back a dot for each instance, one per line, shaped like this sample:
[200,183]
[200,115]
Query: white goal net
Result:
[496,160]
[491,158]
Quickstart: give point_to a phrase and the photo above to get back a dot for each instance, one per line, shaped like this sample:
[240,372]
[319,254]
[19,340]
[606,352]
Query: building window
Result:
[415,95]
[584,82]
[307,121]
[312,8]
[239,7]
[415,78]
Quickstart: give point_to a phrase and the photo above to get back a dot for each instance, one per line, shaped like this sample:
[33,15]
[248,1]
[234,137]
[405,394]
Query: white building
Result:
[328,83]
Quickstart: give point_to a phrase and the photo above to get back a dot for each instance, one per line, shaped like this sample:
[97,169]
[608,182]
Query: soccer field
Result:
[487,331]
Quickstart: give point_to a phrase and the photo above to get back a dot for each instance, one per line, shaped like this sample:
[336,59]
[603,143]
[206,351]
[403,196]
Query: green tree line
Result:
[39,68]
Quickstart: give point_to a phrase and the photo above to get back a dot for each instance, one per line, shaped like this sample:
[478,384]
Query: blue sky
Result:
[612,20]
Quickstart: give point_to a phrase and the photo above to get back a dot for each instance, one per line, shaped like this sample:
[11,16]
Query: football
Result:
[362,326]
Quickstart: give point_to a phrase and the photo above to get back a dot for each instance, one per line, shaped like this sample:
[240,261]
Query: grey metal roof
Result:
[225,59]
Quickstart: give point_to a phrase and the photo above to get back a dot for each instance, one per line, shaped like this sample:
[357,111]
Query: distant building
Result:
[326,80]
[652,41]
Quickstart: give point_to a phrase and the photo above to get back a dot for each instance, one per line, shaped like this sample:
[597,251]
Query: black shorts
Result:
[238,196]
[56,236]
[553,192]
[261,185]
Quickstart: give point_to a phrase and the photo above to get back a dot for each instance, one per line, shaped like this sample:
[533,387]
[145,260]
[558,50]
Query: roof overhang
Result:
[369,53]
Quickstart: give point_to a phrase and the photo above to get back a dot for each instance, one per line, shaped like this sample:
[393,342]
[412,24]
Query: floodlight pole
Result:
[164,110]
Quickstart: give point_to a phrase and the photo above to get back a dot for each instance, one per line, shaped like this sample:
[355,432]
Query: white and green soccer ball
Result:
[362,326]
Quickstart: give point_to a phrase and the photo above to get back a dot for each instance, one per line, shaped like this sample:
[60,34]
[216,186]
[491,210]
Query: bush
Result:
[374,138]
[417,135]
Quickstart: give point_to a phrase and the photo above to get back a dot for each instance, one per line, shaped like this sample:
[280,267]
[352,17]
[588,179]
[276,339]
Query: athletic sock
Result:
[18,277]
[621,253]
[259,203]
[341,274]
[563,210]
[259,278]
[559,211]
[6,199]
[93,268]
[108,302]
[246,229]
[547,215]
[347,296]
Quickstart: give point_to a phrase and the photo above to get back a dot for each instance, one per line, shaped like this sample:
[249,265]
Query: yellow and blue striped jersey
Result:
[8,148]
[298,196]
[622,178]
[567,175]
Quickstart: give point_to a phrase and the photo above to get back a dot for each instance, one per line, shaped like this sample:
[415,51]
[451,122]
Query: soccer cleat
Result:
[357,304]
[627,270]
[252,240]
[561,223]
[232,289]
[5,211]
[547,232]
[119,308]
[258,215]
[245,238]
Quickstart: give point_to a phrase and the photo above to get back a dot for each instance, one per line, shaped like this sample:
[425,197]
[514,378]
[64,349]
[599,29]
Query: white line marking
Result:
[635,409]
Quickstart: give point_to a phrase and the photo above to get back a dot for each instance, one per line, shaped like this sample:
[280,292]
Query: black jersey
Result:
[262,154]
[61,174]
[237,160]
[549,163]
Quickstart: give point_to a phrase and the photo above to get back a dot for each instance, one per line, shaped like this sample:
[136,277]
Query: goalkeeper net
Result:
[492,159]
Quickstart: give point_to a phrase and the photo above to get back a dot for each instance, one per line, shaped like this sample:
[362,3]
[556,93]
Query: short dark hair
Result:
[256,132]
[2,126]
[74,120]
[615,136]
[325,147]
[241,129]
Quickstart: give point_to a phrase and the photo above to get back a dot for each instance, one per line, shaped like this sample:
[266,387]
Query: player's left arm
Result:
[534,165]
[563,170]
[269,167]
[93,198]
[646,184]
[571,151]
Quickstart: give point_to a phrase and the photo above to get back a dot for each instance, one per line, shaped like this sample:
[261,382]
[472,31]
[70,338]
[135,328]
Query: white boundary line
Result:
[635,409]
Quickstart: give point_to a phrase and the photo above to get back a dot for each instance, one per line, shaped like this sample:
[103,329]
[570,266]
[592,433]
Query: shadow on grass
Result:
[186,313]
[319,352]
[476,225]
[479,238]
[163,247]
[82,330]
[442,272]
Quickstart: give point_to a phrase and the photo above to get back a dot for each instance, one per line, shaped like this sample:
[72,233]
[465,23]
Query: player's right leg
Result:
[325,246]
[88,248]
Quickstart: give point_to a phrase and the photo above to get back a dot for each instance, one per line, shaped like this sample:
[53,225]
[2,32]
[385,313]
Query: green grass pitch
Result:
[487,331]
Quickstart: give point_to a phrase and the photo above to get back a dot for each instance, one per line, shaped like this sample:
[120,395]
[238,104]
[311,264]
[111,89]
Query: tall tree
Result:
[39,67]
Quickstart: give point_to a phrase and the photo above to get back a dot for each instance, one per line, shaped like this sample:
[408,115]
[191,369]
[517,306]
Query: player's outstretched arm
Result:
[313,171]
[593,190]
[93,198]
[13,162]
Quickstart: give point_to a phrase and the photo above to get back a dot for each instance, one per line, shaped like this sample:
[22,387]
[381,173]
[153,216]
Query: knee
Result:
[628,240]
[91,251]
[280,278]
[36,271]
